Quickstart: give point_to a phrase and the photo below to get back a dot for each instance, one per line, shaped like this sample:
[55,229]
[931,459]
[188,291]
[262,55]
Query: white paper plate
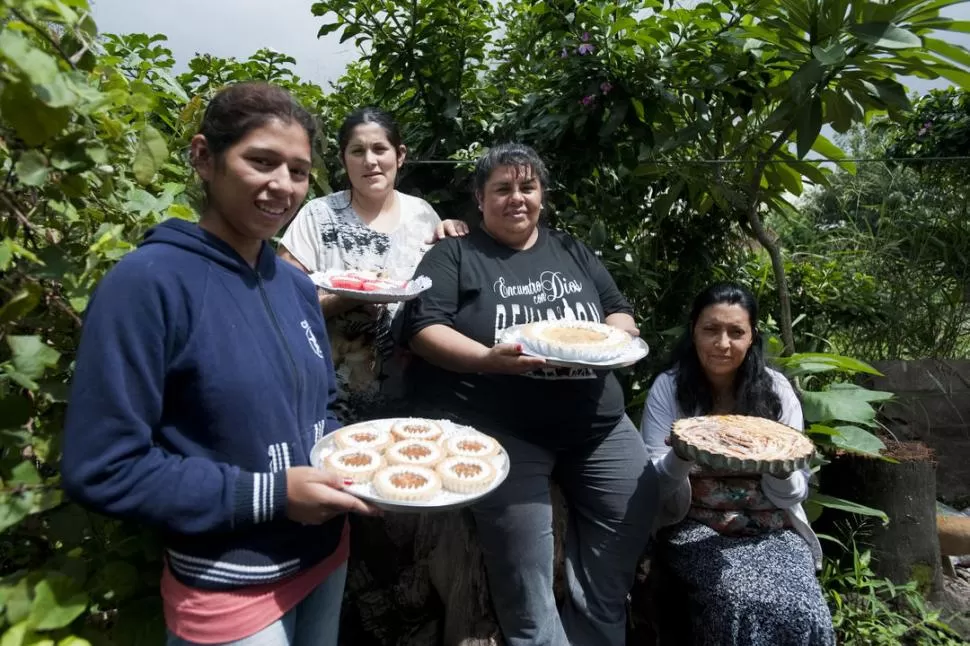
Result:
[414,287]
[637,350]
[443,500]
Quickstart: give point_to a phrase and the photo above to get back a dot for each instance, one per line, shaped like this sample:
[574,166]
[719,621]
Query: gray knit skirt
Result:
[746,591]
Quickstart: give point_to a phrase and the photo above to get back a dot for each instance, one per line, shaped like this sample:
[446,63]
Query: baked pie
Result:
[742,443]
[465,475]
[576,340]
[407,483]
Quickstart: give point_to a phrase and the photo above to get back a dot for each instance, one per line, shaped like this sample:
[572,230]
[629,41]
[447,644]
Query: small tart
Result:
[407,483]
[576,340]
[419,453]
[471,445]
[362,436]
[416,429]
[355,464]
[465,475]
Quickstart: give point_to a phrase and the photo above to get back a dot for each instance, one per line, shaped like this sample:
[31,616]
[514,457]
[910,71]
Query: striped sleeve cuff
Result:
[260,498]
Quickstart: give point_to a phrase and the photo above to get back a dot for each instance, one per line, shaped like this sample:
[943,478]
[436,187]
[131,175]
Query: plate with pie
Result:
[742,444]
[577,344]
[369,286]
[413,464]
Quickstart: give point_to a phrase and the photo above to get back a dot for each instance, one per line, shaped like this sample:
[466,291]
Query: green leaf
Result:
[37,65]
[885,35]
[857,440]
[25,473]
[31,168]
[6,254]
[809,126]
[955,53]
[31,356]
[149,156]
[638,108]
[181,212]
[21,304]
[826,148]
[848,506]
[15,636]
[328,29]
[71,640]
[805,79]
[57,602]
[808,362]
[833,54]
[35,122]
[842,402]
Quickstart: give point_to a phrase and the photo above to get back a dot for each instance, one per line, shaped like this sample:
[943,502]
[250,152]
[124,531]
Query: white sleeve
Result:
[659,415]
[303,236]
[793,490]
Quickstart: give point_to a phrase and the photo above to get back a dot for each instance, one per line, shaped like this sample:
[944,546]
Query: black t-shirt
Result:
[481,287]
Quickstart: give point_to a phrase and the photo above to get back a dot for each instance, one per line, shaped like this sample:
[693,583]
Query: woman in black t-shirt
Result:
[567,424]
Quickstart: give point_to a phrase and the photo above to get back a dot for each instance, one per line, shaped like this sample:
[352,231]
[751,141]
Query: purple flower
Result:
[587,101]
[564,54]
[605,87]
[584,49]
[927,127]
[585,37]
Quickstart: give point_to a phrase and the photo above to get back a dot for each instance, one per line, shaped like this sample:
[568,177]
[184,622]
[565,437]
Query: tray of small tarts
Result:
[577,344]
[741,444]
[414,464]
[369,286]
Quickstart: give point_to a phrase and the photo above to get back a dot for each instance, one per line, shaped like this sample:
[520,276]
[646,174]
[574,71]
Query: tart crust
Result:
[418,453]
[576,340]
[742,443]
[357,464]
[466,475]
[471,445]
[407,483]
[362,436]
[416,429]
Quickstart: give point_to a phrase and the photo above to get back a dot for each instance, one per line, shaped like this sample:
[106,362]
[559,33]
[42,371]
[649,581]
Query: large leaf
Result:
[832,54]
[825,147]
[809,126]
[57,602]
[805,78]
[847,505]
[35,122]
[31,356]
[150,155]
[842,402]
[20,304]
[32,168]
[813,362]
[857,440]
[885,35]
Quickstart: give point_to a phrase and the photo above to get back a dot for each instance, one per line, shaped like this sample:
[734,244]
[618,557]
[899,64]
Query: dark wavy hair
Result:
[754,392]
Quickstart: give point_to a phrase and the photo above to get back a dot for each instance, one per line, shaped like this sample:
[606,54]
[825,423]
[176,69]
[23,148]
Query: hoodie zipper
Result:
[286,346]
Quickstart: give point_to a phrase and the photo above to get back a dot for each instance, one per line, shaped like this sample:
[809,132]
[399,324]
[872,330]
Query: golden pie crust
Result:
[742,443]
[576,340]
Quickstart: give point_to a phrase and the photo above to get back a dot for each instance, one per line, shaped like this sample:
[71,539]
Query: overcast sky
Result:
[240,27]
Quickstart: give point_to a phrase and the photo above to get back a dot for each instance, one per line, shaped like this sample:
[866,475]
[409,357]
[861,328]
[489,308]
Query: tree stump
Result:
[419,580]
[908,547]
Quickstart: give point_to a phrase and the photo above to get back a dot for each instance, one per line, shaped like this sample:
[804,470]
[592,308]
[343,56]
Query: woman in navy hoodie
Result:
[203,379]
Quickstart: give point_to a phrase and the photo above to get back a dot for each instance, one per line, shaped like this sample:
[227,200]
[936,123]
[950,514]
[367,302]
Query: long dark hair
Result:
[360,117]
[754,392]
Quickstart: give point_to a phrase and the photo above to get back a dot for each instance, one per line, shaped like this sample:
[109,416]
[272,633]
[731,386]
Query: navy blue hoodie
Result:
[199,380]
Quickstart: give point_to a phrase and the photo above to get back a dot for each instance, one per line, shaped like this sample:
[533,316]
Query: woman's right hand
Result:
[314,497]
[507,359]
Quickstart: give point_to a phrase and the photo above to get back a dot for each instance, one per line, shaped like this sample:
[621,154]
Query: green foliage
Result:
[869,611]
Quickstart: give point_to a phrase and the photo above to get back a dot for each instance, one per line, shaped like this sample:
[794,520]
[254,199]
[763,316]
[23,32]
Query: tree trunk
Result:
[908,547]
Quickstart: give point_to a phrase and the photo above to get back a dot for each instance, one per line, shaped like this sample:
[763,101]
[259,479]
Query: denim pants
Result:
[315,621]
[610,488]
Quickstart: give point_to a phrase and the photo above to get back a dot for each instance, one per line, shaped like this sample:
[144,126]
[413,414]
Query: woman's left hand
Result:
[623,322]
[449,229]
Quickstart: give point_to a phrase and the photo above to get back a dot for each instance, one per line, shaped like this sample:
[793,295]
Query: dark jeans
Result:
[610,487]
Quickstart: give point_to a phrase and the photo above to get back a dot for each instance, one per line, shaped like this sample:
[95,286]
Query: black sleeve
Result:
[612,300]
[439,304]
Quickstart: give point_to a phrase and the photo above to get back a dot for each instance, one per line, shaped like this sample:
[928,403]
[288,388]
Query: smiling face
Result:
[372,161]
[511,200]
[256,185]
[722,337]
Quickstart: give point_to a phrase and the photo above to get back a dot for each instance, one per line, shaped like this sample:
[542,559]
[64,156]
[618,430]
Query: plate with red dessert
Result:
[369,286]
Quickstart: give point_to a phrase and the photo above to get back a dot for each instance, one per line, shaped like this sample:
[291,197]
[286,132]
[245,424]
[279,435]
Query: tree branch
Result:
[45,34]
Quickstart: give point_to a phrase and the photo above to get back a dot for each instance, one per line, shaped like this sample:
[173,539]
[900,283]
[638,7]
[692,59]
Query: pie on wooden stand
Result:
[742,444]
